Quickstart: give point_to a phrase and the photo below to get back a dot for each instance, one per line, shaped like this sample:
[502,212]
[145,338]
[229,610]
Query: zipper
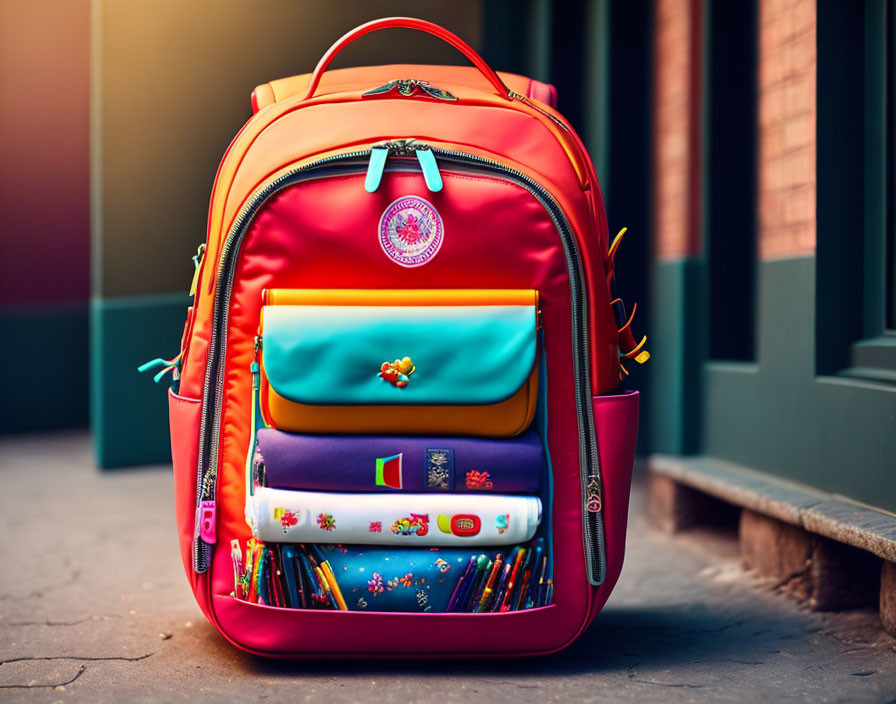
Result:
[525,99]
[591,484]
[207,466]
[380,153]
[580,162]
[589,458]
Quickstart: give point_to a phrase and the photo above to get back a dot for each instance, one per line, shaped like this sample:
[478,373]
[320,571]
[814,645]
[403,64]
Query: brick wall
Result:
[676,115]
[786,195]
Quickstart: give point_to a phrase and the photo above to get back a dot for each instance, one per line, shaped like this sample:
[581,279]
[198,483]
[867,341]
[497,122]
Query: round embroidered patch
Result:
[411,231]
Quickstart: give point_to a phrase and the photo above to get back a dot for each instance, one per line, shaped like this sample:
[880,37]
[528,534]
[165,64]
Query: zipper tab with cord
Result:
[375,168]
[380,153]
[197,263]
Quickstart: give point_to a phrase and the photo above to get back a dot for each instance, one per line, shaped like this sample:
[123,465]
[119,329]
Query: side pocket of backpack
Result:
[183,417]
[616,422]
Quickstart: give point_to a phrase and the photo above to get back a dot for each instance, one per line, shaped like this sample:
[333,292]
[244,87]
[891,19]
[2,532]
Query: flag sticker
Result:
[388,471]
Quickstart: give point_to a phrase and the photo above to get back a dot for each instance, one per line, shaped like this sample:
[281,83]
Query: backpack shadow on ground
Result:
[620,639]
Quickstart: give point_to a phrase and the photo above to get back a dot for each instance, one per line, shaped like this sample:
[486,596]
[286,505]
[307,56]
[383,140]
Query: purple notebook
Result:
[373,463]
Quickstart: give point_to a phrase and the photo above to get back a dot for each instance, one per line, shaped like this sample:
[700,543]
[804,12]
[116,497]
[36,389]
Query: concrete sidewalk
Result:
[94,607]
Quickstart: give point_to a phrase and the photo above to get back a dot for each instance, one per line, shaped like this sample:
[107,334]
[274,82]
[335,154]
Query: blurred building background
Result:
[747,145]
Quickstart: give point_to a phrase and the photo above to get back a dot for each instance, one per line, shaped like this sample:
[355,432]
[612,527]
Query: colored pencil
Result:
[490,584]
[457,588]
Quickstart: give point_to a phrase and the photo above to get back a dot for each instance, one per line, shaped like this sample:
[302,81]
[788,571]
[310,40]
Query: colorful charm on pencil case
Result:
[397,373]
[415,524]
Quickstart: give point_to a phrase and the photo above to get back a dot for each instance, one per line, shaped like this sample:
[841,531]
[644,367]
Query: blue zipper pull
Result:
[167,364]
[430,169]
[380,154]
[375,168]
[152,364]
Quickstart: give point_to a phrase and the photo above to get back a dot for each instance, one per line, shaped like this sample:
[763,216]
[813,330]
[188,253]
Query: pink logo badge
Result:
[411,231]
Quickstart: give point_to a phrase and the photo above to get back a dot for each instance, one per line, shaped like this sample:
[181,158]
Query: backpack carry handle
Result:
[407,23]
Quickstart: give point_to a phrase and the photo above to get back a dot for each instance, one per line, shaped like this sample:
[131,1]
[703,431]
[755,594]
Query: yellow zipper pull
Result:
[197,262]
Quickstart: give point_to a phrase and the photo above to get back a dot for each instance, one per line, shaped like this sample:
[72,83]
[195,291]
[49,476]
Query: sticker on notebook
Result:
[414,524]
[411,231]
[423,600]
[478,480]
[286,517]
[375,585]
[464,524]
[502,522]
[439,466]
[388,471]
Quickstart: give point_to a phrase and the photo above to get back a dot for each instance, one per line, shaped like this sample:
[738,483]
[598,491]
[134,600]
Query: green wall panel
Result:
[44,363]
[673,404]
[831,432]
[129,413]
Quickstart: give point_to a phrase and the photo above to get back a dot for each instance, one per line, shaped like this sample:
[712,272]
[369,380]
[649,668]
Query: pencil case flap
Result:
[369,463]
[371,348]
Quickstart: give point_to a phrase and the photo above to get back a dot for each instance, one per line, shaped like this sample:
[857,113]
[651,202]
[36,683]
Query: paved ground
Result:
[94,607]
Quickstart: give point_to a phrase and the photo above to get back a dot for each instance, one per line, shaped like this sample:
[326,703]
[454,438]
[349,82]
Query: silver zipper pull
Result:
[407,87]
[255,368]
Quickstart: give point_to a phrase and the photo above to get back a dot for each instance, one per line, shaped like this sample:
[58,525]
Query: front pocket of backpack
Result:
[446,362]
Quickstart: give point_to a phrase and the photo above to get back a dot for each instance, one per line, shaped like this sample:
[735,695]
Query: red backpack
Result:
[398,425]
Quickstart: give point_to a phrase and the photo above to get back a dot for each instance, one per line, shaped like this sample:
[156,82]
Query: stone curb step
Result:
[825,549]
